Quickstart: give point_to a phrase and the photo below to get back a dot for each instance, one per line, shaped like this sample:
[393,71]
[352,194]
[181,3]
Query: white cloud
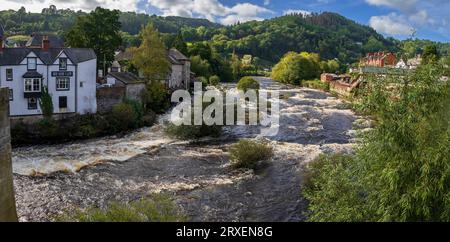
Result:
[426,15]
[85,5]
[296,11]
[406,5]
[391,24]
[266,2]
[213,10]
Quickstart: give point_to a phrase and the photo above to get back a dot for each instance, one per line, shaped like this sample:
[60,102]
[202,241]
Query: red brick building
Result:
[379,59]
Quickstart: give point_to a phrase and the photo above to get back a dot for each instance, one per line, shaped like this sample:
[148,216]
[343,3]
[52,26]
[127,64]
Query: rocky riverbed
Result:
[50,180]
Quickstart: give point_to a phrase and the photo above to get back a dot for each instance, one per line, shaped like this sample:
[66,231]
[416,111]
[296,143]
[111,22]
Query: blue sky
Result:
[425,19]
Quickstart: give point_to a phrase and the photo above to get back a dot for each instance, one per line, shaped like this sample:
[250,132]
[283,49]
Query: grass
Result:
[317,84]
[158,208]
[249,153]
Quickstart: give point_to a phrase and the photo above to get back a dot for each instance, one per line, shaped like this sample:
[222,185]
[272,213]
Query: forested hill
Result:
[329,34]
[57,21]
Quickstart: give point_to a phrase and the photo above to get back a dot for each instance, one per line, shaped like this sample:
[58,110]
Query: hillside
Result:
[329,34]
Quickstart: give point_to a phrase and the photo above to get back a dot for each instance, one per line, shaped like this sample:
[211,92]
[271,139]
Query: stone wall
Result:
[7,201]
[107,97]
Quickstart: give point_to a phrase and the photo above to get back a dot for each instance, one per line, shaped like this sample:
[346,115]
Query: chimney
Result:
[45,43]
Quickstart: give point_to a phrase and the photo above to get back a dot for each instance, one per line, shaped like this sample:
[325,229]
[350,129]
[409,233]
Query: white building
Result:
[68,73]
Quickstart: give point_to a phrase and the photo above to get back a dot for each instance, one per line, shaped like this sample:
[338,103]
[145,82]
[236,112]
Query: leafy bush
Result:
[159,208]
[317,84]
[156,97]
[204,81]
[294,67]
[401,172]
[123,117]
[248,153]
[248,83]
[187,132]
[332,192]
[46,103]
[214,80]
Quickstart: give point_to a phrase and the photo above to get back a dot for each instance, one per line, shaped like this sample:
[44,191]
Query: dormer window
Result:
[63,63]
[31,63]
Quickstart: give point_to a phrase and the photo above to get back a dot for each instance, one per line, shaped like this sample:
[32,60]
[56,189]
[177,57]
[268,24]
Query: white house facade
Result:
[68,73]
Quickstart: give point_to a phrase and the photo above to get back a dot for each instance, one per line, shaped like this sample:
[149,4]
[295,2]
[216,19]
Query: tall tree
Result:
[150,58]
[99,30]
[180,44]
[430,54]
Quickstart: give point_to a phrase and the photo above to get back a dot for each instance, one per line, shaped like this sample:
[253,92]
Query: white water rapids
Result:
[147,161]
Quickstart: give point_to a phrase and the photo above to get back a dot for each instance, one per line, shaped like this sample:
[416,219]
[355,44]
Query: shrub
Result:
[123,117]
[247,83]
[401,172]
[248,153]
[204,81]
[46,103]
[317,84]
[214,80]
[158,208]
[187,132]
[156,97]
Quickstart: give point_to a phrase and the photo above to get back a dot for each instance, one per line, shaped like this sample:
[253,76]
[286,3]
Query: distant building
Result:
[134,86]
[328,77]
[69,74]
[180,75]
[413,63]
[378,59]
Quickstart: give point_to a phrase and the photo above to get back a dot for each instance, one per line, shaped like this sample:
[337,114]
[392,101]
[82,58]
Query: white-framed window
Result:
[32,85]
[11,94]
[32,103]
[63,63]
[31,63]
[62,83]
[9,74]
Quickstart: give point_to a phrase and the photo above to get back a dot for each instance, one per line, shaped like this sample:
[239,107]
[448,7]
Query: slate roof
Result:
[31,74]
[126,77]
[13,56]
[175,57]
[36,41]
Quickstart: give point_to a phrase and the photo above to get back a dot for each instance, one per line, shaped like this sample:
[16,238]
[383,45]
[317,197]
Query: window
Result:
[32,85]
[62,102]
[81,84]
[11,94]
[32,103]
[63,63]
[31,63]
[62,83]
[9,74]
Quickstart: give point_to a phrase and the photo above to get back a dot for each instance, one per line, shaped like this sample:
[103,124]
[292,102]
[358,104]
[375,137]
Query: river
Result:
[51,179]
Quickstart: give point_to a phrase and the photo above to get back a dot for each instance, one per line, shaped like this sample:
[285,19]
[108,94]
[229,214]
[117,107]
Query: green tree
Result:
[150,58]
[99,30]
[236,66]
[200,67]
[180,44]
[293,68]
[430,54]
[46,103]
[401,172]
